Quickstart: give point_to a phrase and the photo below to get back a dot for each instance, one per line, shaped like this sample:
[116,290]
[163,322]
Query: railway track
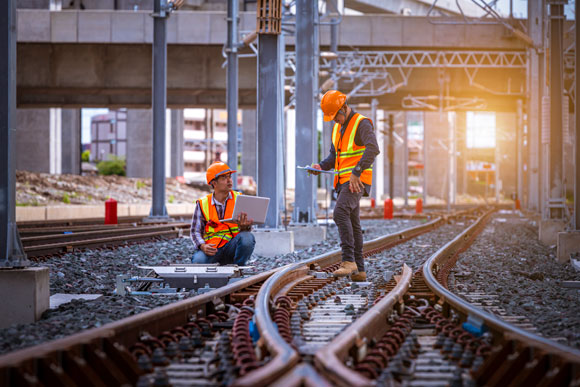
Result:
[300,325]
[57,237]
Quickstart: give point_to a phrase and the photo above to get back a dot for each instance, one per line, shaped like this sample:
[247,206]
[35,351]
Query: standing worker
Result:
[220,242]
[352,153]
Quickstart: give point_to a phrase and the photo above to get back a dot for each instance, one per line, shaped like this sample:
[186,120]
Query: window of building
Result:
[480,131]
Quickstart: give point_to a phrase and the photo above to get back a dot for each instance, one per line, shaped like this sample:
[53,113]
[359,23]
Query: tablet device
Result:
[255,207]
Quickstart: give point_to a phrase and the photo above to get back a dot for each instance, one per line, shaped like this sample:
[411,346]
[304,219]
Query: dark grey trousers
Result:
[347,219]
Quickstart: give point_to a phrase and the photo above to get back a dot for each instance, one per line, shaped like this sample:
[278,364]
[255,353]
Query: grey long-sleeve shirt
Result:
[365,136]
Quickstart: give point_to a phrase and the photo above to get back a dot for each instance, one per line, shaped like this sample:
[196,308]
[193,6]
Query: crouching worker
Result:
[216,241]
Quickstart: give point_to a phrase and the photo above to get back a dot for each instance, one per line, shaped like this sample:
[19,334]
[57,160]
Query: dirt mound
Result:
[39,189]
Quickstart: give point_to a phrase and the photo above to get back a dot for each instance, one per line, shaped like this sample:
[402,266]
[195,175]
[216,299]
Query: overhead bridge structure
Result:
[103,58]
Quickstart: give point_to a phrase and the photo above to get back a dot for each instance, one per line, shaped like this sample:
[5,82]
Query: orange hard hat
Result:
[331,103]
[217,169]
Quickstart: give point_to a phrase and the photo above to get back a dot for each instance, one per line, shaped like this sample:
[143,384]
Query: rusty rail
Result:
[435,272]
[372,324]
[284,357]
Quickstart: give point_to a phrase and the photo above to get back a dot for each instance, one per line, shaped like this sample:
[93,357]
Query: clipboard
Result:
[310,169]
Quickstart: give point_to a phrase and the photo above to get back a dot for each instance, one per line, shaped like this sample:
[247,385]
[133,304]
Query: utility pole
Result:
[577,147]
[269,108]
[161,11]
[405,159]
[555,171]
[306,109]
[391,155]
[232,85]
[11,251]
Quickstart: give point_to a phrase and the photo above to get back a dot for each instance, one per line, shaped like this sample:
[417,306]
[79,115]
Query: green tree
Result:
[114,166]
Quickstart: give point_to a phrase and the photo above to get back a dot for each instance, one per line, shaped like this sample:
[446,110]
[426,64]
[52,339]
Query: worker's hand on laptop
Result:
[244,222]
[208,249]
[315,166]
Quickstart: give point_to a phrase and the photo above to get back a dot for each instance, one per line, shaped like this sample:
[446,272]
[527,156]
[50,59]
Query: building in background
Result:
[109,135]
[205,137]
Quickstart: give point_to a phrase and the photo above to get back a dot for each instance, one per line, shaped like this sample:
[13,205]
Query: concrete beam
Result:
[209,28]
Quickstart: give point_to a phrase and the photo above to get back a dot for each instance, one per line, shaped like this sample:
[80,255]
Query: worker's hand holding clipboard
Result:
[316,171]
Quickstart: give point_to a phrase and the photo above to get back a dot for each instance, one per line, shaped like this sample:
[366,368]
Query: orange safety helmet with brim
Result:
[331,103]
[216,170]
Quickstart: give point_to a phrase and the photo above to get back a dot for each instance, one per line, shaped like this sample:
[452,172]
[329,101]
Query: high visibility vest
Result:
[348,153]
[216,232]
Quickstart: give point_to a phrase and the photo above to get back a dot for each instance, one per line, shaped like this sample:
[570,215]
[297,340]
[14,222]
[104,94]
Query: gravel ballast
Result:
[94,272]
[508,260]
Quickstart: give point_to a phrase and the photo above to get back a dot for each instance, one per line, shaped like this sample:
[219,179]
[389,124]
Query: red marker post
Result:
[388,214]
[373,203]
[419,206]
[111,211]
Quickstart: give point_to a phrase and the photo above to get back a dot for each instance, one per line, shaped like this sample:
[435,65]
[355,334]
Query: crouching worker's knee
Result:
[247,240]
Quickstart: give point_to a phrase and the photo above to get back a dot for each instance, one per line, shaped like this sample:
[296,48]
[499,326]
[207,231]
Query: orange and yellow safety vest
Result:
[216,232]
[348,153]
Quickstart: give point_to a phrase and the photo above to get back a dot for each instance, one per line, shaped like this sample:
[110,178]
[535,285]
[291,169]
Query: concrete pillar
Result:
[379,165]
[535,75]
[249,145]
[405,133]
[270,121]
[176,141]
[437,128]
[32,140]
[54,140]
[460,147]
[139,143]
[555,171]
[452,173]
[71,141]
[506,146]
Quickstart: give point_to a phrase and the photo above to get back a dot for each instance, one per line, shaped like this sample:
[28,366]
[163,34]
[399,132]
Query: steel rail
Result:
[495,324]
[129,330]
[115,337]
[60,247]
[89,221]
[84,235]
[330,359]
[284,357]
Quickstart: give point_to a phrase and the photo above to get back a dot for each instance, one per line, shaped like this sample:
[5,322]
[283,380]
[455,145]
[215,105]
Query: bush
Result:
[65,198]
[115,166]
[86,156]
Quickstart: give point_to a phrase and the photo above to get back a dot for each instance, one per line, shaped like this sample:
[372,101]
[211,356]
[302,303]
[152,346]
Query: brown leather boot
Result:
[361,276]
[345,269]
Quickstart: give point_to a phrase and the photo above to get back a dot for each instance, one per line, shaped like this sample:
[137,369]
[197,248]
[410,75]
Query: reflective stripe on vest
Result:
[348,154]
[216,232]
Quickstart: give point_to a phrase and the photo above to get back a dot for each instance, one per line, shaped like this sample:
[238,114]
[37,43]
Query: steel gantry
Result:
[11,251]
[269,109]
[161,11]
[306,108]
[374,73]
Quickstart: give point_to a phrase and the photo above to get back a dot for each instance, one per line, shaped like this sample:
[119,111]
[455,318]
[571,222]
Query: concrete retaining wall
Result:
[80,212]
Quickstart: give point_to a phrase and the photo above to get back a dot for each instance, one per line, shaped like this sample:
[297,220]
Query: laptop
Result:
[255,207]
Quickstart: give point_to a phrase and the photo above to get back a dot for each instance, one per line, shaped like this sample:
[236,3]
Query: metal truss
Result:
[435,102]
[375,73]
[425,59]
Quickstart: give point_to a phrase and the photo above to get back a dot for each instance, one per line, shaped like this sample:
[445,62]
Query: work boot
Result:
[361,276]
[345,269]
